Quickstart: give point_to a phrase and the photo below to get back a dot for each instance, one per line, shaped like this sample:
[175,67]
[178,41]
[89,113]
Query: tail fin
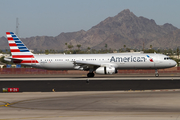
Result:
[18,49]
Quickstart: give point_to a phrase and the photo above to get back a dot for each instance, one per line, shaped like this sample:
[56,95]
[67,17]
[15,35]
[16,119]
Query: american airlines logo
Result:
[127,59]
[150,59]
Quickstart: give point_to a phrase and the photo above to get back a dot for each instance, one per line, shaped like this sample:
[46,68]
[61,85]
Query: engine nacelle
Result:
[106,70]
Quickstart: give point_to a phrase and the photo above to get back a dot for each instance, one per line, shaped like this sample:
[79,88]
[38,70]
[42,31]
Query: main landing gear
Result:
[156,73]
[90,74]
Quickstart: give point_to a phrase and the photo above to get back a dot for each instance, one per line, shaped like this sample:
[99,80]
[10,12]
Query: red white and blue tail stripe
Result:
[19,50]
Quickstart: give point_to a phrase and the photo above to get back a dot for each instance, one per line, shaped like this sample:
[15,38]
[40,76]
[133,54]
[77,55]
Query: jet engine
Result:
[106,70]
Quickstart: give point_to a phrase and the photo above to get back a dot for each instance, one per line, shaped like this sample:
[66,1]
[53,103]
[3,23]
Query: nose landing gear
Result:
[156,73]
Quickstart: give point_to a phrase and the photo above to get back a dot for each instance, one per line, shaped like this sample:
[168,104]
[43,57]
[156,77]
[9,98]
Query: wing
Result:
[84,65]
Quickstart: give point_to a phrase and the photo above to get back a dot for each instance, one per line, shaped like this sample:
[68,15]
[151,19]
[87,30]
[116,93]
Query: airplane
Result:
[98,63]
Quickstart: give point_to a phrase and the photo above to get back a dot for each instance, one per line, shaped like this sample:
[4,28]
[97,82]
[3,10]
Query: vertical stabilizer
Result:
[19,50]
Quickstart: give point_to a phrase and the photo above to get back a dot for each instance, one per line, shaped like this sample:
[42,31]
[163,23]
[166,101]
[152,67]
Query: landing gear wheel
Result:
[156,74]
[90,75]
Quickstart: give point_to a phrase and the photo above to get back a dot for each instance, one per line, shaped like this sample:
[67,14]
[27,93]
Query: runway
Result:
[91,105]
[80,98]
[95,78]
[90,84]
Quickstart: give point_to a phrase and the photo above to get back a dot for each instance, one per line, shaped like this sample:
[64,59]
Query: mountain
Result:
[123,29]
[170,40]
[130,30]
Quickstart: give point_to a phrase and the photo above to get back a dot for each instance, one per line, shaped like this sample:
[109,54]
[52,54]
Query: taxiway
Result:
[91,105]
[79,98]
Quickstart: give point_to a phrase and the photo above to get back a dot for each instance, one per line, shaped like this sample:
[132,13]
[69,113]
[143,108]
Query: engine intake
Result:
[106,70]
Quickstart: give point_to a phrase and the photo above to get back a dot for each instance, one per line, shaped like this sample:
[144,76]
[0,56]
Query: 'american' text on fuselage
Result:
[127,59]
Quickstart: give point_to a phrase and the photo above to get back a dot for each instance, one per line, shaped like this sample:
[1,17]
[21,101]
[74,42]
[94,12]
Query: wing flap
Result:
[86,63]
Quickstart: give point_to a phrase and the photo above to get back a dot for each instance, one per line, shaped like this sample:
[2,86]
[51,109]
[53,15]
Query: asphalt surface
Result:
[91,98]
[106,105]
[84,84]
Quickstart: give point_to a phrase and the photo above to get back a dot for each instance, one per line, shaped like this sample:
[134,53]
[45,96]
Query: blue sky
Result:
[51,17]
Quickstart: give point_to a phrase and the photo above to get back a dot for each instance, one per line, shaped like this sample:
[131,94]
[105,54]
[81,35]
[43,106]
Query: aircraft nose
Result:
[173,63]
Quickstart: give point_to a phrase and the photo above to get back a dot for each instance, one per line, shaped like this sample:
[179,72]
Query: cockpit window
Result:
[167,58]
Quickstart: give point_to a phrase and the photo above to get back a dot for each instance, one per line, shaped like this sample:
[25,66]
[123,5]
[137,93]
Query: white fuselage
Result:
[118,60]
